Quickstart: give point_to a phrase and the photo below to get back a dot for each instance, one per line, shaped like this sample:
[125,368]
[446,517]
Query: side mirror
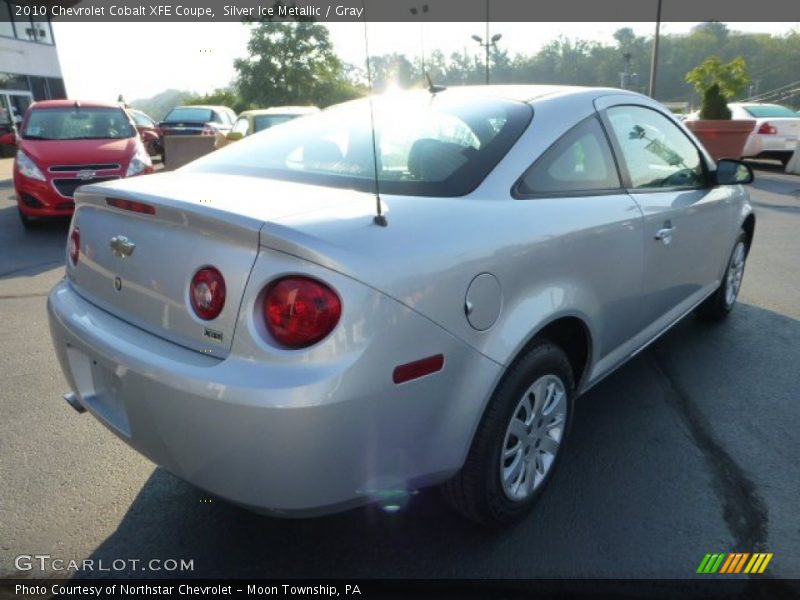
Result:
[732,172]
[234,136]
[149,136]
[9,138]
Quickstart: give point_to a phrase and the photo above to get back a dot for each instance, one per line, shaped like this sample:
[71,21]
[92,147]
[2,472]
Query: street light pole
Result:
[654,63]
[488,44]
[414,11]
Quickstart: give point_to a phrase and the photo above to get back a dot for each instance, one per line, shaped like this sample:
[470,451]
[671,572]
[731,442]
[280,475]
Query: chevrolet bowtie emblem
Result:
[121,246]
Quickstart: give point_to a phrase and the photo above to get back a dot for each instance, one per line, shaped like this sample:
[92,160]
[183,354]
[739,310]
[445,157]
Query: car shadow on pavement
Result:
[28,252]
[637,494]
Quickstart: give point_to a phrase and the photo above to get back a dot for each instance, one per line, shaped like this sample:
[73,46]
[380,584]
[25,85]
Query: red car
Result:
[64,144]
[148,131]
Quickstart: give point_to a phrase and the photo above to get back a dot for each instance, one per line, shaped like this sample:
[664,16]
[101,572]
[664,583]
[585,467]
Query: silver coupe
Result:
[398,292]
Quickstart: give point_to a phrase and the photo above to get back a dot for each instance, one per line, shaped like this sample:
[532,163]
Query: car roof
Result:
[528,93]
[72,103]
[208,106]
[280,110]
[746,104]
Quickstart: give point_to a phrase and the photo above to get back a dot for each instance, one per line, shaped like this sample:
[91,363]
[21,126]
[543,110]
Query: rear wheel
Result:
[721,303]
[518,441]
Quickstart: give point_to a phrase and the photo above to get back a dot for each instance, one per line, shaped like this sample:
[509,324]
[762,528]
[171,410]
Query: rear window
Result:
[771,111]
[266,121]
[186,113]
[77,124]
[442,145]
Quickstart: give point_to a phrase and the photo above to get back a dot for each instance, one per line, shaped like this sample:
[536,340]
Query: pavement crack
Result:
[744,510]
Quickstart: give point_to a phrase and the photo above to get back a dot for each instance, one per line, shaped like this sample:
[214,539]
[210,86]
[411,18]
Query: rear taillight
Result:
[300,311]
[207,293]
[207,130]
[767,129]
[74,246]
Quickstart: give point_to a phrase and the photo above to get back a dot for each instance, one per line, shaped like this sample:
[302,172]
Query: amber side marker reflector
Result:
[132,205]
[418,368]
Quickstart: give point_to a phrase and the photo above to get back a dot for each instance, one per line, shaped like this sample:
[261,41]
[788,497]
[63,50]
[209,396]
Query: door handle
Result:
[664,235]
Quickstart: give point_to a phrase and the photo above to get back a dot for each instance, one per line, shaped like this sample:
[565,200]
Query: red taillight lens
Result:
[768,129]
[207,130]
[207,293]
[132,205]
[74,246]
[300,311]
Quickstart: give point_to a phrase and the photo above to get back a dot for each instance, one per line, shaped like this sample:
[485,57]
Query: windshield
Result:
[443,145]
[77,124]
[771,111]
[263,122]
[183,113]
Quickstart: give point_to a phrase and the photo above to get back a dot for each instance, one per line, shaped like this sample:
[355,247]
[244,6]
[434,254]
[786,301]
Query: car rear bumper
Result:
[769,146]
[292,443]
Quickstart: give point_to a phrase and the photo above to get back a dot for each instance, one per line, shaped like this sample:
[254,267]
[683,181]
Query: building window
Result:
[35,28]
[39,88]
[10,81]
[6,26]
[57,90]
[41,27]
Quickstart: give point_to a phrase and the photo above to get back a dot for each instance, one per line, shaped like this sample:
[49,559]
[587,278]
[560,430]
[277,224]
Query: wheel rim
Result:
[735,273]
[533,437]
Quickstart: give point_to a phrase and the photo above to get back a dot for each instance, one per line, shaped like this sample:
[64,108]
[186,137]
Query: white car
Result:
[776,130]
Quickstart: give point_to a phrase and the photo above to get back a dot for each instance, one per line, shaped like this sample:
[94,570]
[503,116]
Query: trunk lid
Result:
[787,127]
[200,220]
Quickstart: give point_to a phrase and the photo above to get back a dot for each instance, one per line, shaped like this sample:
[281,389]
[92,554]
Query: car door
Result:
[576,181]
[687,220]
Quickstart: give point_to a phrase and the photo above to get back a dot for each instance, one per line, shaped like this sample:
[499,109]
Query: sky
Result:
[140,60]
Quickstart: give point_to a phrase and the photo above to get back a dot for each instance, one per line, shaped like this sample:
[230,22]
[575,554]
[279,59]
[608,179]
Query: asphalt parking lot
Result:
[689,449]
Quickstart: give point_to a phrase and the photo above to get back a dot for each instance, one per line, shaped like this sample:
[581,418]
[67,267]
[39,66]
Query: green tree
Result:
[718,82]
[292,63]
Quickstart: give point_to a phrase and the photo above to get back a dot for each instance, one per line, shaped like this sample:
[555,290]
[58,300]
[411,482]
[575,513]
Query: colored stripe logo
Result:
[734,562]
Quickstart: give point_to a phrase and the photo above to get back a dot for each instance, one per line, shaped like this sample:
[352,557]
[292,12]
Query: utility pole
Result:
[654,63]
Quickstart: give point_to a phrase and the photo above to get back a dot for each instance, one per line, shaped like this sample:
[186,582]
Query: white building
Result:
[29,68]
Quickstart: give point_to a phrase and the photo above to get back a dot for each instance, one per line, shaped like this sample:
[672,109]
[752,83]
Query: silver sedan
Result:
[394,293]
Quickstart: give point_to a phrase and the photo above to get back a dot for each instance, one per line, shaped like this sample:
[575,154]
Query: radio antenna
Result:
[379,218]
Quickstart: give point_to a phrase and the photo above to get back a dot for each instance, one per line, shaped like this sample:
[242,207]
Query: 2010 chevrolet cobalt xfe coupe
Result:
[394,293]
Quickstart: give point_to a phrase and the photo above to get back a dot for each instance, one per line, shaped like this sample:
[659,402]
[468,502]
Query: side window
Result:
[216,118]
[656,152]
[141,120]
[580,161]
[241,126]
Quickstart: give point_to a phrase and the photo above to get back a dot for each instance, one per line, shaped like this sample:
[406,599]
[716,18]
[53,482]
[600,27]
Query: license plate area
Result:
[99,389]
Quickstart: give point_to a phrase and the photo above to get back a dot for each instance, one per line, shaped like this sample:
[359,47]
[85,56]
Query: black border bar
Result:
[401,10]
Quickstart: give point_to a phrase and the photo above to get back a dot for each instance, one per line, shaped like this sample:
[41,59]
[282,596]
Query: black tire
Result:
[477,491]
[718,305]
[27,222]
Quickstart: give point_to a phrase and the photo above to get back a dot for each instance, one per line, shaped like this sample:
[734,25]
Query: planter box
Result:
[722,139]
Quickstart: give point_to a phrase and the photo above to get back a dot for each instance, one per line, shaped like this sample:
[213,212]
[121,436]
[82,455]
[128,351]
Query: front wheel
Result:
[518,441]
[719,304]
